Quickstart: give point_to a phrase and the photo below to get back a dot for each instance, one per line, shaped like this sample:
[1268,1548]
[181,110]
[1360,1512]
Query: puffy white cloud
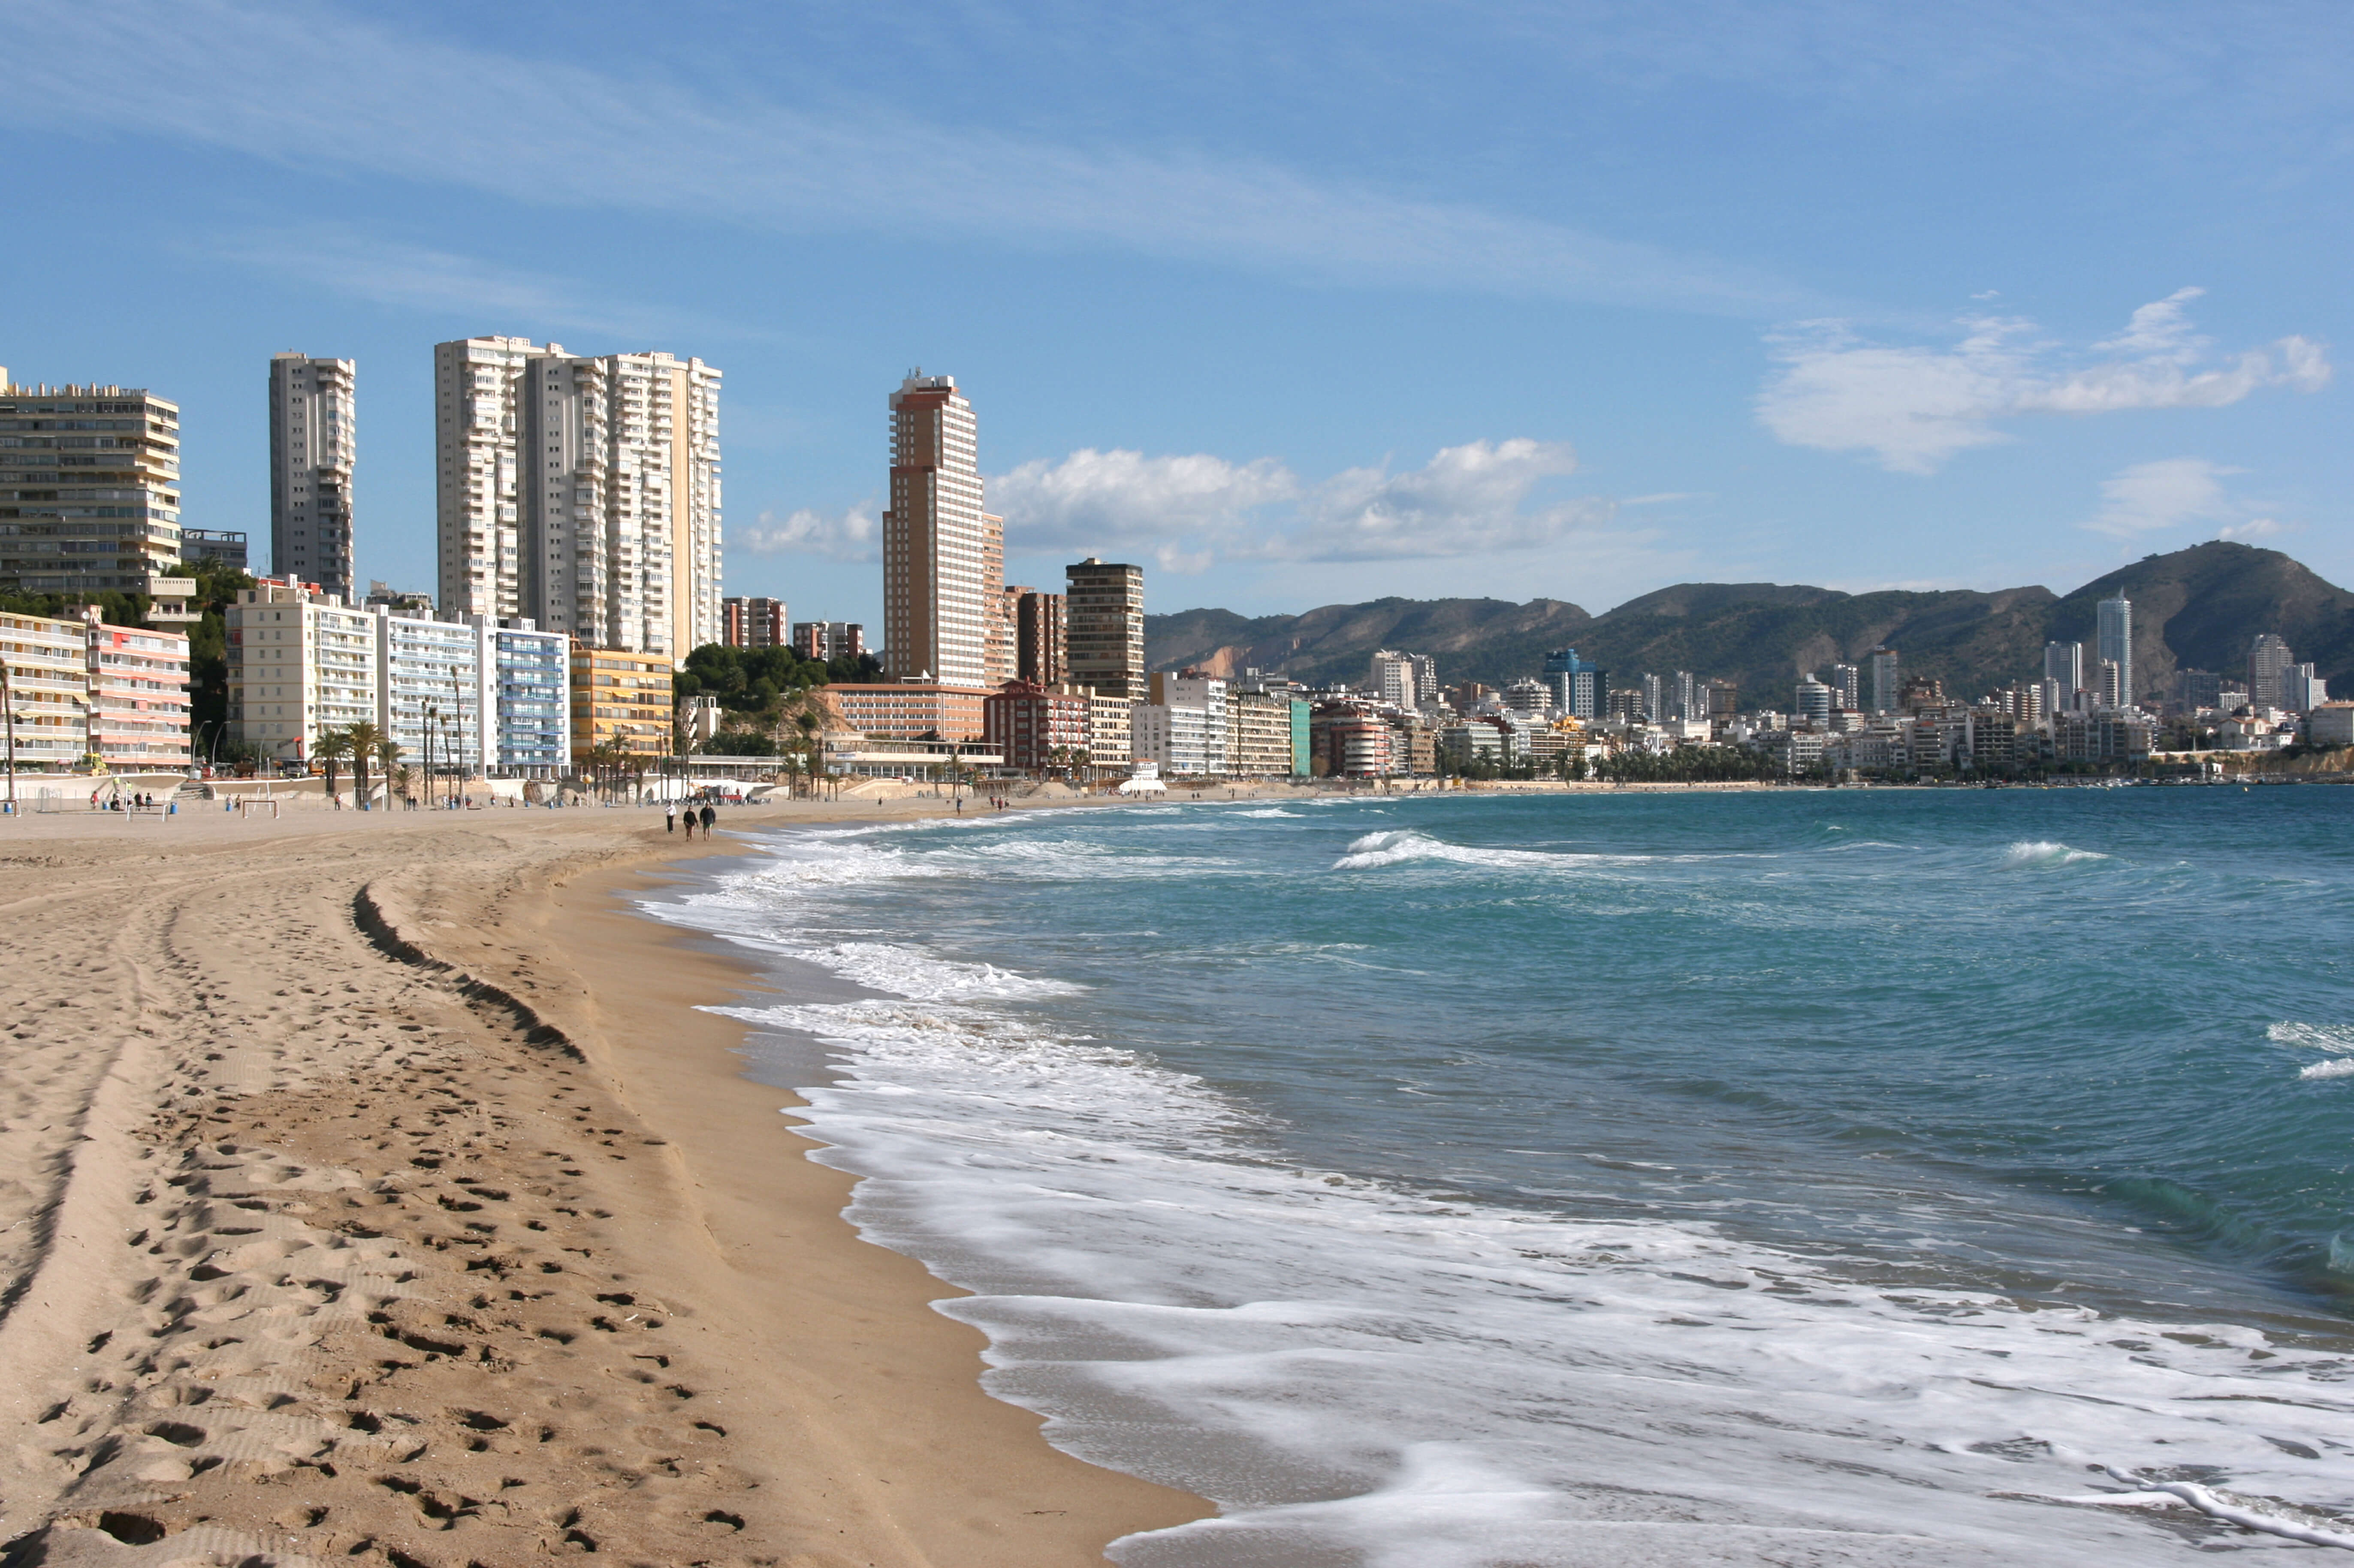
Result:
[1467,501]
[852,535]
[1915,408]
[1189,510]
[2151,497]
[1092,496]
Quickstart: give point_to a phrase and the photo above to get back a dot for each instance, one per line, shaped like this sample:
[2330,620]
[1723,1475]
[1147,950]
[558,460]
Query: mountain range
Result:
[2194,609]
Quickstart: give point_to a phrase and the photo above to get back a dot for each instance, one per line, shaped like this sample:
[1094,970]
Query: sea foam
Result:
[2044,852]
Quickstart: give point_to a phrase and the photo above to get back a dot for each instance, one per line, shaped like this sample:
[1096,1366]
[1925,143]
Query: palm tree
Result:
[397,781]
[387,757]
[333,747]
[364,738]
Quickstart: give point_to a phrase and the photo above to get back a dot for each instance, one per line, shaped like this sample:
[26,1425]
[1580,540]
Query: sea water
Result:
[1796,1177]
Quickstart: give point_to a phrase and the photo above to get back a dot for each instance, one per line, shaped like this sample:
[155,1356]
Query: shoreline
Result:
[376,1193]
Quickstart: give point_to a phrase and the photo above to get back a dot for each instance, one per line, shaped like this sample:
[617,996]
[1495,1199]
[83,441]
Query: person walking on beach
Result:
[669,816]
[709,817]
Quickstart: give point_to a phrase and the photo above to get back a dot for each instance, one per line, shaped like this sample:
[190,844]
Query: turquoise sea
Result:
[1799,1177]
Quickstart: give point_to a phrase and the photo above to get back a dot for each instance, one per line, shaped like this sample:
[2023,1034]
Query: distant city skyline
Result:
[1861,296]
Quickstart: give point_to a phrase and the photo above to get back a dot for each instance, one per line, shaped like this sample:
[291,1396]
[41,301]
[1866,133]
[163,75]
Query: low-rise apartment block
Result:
[1036,727]
[48,678]
[138,696]
[622,699]
[300,662]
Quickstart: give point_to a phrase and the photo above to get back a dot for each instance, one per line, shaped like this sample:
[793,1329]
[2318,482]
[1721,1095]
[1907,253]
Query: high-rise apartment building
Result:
[1886,689]
[1684,698]
[89,489]
[2268,659]
[2303,689]
[753,622]
[943,554]
[2064,663]
[829,640]
[1042,646]
[314,446]
[1814,702]
[1846,686]
[475,384]
[1105,615]
[1580,690]
[582,494]
[1001,628]
[1393,679]
[2112,643]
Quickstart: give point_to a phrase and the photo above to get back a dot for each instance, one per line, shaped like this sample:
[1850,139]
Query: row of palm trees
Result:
[365,747]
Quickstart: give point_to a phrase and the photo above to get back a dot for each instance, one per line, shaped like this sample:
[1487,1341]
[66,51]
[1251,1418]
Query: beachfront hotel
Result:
[90,482]
[580,493]
[314,448]
[943,554]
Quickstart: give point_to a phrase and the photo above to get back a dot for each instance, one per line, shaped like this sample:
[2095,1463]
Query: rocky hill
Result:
[2198,606]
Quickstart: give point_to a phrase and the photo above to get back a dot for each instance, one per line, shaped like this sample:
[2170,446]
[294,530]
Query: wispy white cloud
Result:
[1915,408]
[2176,495]
[851,536]
[218,73]
[2253,528]
[1190,510]
[354,262]
[2156,497]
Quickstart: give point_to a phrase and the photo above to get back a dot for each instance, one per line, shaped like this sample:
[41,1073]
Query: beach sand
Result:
[370,1192]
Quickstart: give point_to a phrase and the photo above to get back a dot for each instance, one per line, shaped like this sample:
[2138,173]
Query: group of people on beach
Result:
[670,817]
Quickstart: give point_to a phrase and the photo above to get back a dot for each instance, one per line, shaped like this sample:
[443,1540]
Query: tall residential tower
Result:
[2113,643]
[580,492]
[313,443]
[1104,621]
[943,556]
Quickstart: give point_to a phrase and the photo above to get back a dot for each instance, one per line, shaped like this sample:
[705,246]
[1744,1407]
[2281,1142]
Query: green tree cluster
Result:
[753,680]
[1686,765]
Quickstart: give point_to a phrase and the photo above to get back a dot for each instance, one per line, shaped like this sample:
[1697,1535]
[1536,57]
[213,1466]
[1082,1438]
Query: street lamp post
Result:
[9,702]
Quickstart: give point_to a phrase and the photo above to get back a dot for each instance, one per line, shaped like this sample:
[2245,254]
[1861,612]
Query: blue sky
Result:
[1296,304]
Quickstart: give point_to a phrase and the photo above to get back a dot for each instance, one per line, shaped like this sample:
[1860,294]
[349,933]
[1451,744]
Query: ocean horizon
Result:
[1854,1177]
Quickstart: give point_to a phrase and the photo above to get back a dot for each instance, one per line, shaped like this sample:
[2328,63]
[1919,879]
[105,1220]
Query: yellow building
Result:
[621,698]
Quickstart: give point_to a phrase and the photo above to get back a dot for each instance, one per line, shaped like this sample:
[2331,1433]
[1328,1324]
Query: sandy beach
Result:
[372,1192]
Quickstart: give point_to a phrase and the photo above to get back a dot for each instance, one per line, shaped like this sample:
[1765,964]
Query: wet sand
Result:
[372,1192]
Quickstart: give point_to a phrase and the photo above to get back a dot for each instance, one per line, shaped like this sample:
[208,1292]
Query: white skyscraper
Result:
[2113,642]
[943,556]
[313,442]
[1394,679]
[581,493]
[1886,693]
